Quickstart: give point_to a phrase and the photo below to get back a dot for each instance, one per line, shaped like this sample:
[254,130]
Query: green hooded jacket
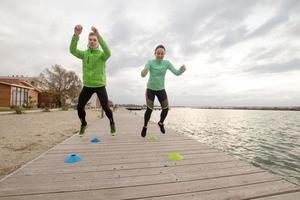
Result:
[93,62]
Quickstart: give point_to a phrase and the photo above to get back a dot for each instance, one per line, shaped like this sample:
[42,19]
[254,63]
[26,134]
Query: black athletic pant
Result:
[163,100]
[85,96]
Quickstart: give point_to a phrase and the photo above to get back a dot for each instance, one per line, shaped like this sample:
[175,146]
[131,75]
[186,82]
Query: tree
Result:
[62,83]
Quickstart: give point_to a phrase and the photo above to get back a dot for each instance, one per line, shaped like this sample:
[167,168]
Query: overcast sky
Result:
[237,52]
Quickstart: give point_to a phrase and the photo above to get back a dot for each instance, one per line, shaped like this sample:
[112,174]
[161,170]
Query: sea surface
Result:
[267,139]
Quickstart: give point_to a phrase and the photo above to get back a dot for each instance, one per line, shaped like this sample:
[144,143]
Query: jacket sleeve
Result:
[73,47]
[176,72]
[106,52]
[144,72]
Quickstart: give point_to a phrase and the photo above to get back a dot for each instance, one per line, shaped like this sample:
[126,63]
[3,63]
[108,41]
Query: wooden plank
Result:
[121,159]
[130,172]
[249,191]
[282,196]
[153,190]
[124,153]
[81,167]
[48,185]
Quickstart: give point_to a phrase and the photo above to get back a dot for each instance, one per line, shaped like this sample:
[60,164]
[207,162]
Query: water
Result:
[268,139]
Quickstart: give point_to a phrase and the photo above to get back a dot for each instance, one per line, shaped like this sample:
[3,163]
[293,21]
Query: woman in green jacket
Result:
[94,74]
[156,86]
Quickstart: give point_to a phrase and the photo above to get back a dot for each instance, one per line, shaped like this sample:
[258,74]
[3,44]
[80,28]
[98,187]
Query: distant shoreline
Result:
[292,108]
[253,108]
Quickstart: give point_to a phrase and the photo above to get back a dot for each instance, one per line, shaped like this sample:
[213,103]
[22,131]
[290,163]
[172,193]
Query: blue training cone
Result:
[95,140]
[73,158]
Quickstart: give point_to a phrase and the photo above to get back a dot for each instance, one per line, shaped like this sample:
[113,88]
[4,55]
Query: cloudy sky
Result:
[237,52]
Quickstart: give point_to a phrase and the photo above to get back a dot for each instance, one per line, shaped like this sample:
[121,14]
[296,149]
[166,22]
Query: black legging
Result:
[163,100]
[85,96]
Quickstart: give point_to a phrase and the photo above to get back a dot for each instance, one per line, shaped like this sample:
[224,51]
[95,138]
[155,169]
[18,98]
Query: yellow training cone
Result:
[174,156]
[152,138]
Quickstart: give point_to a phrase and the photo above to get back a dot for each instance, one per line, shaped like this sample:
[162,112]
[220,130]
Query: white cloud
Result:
[241,53]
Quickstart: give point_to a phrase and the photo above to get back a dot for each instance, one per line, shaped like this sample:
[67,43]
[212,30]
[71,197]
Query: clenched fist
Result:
[78,30]
[183,68]
[95,30]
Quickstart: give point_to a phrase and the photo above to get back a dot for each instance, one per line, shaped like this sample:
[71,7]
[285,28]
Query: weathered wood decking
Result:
[130,167]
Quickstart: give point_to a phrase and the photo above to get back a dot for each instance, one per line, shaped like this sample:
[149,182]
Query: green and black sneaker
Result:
[113,129]
[82,130]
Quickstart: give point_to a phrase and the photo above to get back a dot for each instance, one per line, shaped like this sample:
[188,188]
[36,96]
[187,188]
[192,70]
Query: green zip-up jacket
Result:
[93,62]
[158,69]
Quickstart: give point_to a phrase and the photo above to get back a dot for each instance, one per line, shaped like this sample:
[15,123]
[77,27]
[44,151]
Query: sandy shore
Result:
[24,137]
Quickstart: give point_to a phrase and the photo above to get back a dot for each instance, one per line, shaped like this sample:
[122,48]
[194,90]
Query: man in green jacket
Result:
[94,74]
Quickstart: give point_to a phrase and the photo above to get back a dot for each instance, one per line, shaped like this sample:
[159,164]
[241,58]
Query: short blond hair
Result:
[92,34]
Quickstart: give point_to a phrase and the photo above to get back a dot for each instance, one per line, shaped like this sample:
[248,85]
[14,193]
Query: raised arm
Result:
[176,72]
[106,52]
[145,71]
[74,42]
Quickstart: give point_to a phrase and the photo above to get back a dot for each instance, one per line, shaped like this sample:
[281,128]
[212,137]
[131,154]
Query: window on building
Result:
[26,96]
[22,93]
[19,96]
[13,96]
